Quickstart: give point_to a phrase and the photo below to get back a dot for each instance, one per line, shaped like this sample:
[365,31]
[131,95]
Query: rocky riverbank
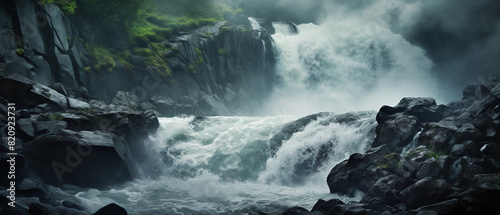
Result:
[60,140]
[426,159]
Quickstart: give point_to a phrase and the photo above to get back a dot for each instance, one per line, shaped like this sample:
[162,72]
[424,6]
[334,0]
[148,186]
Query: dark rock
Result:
[296,211]
[426,191]
[481,196]
[359,172]
[446,207]
[387,189]
[438,136]
[396,131]
[430,168]
[111,209]
[42,127]
[424,109]
[85,158]
[28,94]
[326,207]
[126,99]
[40,209]
[25,126]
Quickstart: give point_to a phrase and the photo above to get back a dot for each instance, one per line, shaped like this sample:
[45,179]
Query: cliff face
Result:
[215,70]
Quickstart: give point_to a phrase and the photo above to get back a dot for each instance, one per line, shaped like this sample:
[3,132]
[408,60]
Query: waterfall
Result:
[343,65]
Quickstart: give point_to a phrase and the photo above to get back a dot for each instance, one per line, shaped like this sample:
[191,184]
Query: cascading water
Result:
[344,65]
[243,165]
[237,165]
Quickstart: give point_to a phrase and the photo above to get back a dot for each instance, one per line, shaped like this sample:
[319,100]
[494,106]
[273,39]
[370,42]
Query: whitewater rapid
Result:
[230,165]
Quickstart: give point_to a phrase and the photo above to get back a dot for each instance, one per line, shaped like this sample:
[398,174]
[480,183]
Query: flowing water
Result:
[243,165]
[346,65]
[236,165]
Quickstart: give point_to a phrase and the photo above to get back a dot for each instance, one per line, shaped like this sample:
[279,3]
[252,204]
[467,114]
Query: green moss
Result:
[199,55]
[387,161]
[20,51]
[104,58]
[56,117]
[224,29]
[191,69]
[67,6]
[222,52]
[155,56]
[436,154]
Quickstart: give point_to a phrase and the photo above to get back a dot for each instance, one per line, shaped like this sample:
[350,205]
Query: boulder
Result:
[296,211]
[480,197]
[111,209]
[358,173]
[396,131]
[27,94]
[425,192]
[85,158]
[127,99]
[326,207]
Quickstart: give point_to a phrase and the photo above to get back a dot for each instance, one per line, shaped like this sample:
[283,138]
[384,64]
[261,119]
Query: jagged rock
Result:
[111,209]
[82,158]
[480,197]
[438,136]
[126,99]
[426,191]
[359,172]
[213,106]
[386,192]
[396,131]
[425,109]
[446,207]
[296,211]
[326,207]
[27,94]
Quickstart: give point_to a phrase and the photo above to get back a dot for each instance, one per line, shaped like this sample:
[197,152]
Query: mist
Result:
[450,44]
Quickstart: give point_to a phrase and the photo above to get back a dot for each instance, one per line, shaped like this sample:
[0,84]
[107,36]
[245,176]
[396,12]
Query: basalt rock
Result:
[450,167]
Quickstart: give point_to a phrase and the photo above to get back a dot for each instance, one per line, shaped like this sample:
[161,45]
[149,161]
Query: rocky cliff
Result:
[425,159]
[214,70]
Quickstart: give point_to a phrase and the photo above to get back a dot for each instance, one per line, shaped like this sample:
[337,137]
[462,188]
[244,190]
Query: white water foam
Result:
[344,65]
[225,165]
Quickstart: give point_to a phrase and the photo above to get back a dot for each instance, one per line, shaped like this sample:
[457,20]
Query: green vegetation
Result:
[199,55]
[435,153]
[141,26]
[20,51]
[67,6]
[56,117]
[191,69]
[388,161]
[222,52]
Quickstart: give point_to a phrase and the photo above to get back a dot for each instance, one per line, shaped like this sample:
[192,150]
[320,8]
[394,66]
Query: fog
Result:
[460,40]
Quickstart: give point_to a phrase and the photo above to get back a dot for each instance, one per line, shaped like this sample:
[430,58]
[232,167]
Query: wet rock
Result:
[326,207]
[386,191]
[480,197]
[127,99]
[426,191]
[451,206]
[359,172]
[111,209]
[87,159]
[396,131]
[296,211]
